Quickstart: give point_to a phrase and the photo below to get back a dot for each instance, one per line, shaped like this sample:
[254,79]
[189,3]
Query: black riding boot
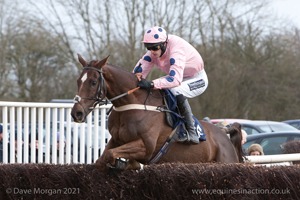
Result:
[186,111]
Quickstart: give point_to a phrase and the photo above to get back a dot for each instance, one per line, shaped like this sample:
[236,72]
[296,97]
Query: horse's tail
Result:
[235,132]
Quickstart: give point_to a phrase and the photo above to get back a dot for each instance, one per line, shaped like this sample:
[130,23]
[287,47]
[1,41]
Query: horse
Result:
[138,133]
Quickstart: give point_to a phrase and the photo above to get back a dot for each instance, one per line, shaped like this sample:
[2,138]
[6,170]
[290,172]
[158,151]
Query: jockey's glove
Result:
[145,84]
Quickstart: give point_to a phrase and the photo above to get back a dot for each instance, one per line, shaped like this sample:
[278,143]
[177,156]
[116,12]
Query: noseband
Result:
[100,96]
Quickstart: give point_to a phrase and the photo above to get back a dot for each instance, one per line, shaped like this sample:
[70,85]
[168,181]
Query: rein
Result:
[124,94]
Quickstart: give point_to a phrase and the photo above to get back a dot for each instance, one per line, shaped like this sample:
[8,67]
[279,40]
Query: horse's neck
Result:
[119,81]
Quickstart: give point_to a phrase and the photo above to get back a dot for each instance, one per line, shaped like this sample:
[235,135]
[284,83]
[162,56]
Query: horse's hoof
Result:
[120,164]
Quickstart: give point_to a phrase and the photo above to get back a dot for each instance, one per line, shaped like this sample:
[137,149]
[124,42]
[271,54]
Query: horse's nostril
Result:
[79,115]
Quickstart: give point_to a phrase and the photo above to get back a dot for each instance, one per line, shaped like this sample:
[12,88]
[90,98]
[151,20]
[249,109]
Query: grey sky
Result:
[288,9]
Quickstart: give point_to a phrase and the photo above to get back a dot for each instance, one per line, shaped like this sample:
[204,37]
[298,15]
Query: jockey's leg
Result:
[186,111]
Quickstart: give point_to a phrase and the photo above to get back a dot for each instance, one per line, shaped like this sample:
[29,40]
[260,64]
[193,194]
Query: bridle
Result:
[100,96]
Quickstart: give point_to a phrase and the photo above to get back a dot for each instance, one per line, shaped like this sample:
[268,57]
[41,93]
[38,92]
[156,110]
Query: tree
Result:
[8,15]
[35,65]
[247,56]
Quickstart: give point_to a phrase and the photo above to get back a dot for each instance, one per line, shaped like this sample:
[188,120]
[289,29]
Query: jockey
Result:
[186,77]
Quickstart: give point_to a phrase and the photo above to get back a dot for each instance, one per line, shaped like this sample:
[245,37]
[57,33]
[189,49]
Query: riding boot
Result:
[186,111]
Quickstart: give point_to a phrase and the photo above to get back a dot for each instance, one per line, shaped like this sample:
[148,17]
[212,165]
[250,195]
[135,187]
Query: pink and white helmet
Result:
[155,34]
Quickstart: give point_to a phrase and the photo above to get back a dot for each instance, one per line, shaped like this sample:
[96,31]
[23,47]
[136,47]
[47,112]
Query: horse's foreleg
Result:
[102,161]
[134,150]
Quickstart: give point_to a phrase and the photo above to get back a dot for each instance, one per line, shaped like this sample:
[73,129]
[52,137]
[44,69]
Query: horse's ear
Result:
[102,62]
[81,60]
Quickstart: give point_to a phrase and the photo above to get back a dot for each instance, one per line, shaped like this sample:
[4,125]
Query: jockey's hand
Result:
[139,76]
[145,84]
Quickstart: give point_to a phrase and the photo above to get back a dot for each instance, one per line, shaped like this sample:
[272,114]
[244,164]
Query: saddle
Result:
[174,118]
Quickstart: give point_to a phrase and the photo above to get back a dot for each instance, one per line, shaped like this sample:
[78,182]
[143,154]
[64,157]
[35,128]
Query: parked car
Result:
[228,120]
[272,142]
[258,126]
[293,122]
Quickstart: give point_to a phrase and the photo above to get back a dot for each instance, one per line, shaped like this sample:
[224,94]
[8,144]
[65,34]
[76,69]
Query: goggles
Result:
[153,48]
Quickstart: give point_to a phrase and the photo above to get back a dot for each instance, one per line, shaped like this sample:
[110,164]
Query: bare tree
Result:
[251,62]
[8,15]
[35,64]
[83,25]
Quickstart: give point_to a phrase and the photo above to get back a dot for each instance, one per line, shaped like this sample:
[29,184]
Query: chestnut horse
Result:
[138,133]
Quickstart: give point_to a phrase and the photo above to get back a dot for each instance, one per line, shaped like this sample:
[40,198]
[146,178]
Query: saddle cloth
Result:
[174,118]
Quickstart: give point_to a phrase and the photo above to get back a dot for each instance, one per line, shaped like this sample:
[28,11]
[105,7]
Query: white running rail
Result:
[60,141]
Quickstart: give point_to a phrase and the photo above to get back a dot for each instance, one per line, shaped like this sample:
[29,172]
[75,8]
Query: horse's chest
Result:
[123,131]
